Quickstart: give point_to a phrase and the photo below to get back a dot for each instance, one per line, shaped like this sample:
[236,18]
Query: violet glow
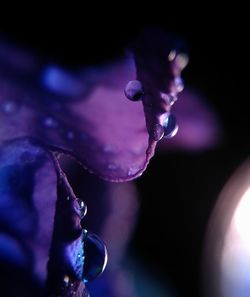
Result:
[47,112]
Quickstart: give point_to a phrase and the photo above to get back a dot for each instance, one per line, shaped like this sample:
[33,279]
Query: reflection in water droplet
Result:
[83,208]
[134,90]
[170,99]
[157,132]
[9,107]
[50,122]
[95,256]
[170,126]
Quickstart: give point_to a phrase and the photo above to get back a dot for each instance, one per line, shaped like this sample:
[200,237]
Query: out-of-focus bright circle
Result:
[227,245]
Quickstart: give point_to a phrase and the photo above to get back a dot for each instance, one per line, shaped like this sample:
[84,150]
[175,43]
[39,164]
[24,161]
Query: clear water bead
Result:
[82,207]
[95,256]
[170,126]
[134,90]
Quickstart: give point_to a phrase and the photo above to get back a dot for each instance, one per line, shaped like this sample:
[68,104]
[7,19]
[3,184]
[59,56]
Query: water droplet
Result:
[83,207]
[50,122]
[170,126]
[9,106]
[170,99]
[134,90]
[157,132]
[95,256]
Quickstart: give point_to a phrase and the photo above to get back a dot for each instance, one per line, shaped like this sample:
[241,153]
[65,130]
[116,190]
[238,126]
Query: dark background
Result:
[179,189]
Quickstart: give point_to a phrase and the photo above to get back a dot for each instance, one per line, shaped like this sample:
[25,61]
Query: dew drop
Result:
[170,126]
[134,90]
[95,256]
[82,207]
[50,122]
[157,132]
[9,107]
[170,99]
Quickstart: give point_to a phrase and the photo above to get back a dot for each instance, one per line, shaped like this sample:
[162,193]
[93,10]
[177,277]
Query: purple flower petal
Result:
[27,201]
[199,127]
[39,217]
[97,123]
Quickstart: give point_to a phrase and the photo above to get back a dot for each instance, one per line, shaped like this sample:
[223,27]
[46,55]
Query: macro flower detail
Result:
[49,114]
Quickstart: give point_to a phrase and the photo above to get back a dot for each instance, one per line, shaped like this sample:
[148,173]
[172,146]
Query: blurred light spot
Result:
[242,219]
[62,82]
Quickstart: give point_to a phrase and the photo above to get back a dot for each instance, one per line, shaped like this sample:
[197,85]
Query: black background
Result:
[179,189]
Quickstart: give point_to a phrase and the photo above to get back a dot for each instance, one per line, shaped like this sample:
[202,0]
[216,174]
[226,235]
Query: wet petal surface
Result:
[89,114]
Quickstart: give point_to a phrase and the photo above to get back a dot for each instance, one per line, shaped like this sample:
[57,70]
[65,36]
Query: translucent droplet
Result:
[157,132]
[9,106]
[170,126]
[50,122]
[95,256]
[170,99]
[134,90]
[83,208]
